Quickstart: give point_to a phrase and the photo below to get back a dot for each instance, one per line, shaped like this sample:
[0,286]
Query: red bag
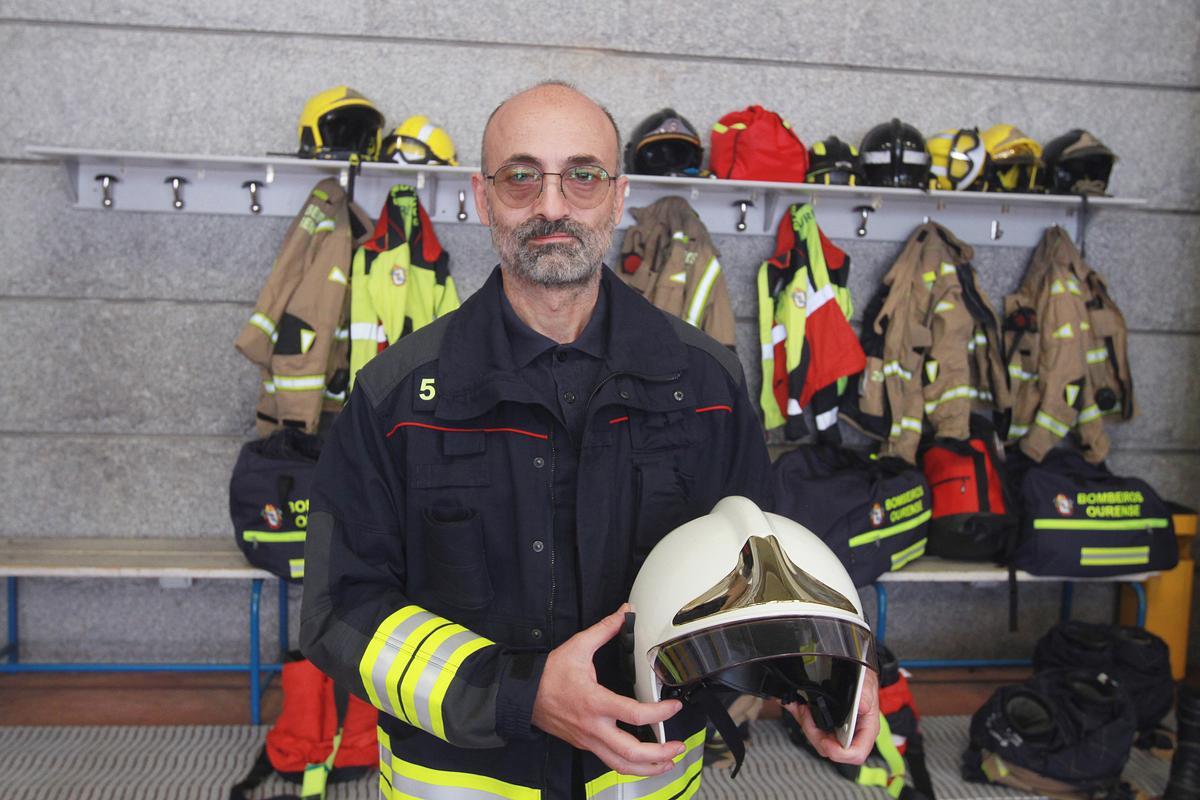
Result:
[299,744]
[757,145]
[971,518]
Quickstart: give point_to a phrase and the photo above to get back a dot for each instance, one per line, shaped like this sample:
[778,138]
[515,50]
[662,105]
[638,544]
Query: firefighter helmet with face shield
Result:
[419,141]
[338,123]
[1014,160]
[957,160]
[752,602]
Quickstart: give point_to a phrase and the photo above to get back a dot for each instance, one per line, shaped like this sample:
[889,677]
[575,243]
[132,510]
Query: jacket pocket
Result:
[455,556]
[662,492]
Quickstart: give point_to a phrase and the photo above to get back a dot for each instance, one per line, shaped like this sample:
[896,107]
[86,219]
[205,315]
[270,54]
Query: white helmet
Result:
[753,602]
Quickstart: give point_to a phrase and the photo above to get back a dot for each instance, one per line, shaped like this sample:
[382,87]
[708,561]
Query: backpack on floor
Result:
[268,500]
[323,735]
[1062,733]
[1136,658]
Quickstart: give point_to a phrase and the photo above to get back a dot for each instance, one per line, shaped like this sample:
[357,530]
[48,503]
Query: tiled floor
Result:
[215,699]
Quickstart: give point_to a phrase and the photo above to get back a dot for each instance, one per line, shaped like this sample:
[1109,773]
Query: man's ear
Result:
[479,189]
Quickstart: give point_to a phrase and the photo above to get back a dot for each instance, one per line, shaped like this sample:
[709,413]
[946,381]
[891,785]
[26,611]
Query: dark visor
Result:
[789,658]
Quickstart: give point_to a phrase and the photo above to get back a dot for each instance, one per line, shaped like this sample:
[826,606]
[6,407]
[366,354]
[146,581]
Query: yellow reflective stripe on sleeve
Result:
[1017,431]
[406,667]
[1088,414]
[1142,523]
[682,781]
[944,305]
[954,393]
[337,276]
[408,780]
[1048,422]
[438,692]
[905,424]
[700,296]
[326,225]
[909,554]
[1097,356]
[1018,374]
[299,383]
[891,530]
[1113,556]
[273,536]
[265,324]
[894,368]
[383,649]
[296,567]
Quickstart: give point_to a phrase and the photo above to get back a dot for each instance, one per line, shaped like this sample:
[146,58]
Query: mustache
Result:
[536,228]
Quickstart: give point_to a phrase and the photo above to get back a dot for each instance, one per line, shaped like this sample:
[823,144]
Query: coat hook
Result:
[255,207]
[177,188]
[742,206]
[462,206]
[997,232]
[865,211]
[106,182]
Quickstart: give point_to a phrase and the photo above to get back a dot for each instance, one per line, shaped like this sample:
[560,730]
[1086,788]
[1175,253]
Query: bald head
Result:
[548,103]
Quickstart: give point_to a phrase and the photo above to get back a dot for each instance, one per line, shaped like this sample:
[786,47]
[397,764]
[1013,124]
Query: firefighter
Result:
[486,497]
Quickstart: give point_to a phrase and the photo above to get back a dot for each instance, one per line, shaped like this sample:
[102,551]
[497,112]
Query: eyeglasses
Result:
[520,185]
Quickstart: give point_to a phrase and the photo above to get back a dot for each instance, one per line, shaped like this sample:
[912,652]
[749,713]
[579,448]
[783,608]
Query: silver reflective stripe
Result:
[269,387]
[1017,431]
[700,297]
[1097,356]
[360,331]
[668,785]
[265,324]
[1051,424]
[827,419]
[430,670]
[894,368]
[1016,373]
[793,407]
[299,383]
[819,298]
[1090,413]
[391,648]
[341,334]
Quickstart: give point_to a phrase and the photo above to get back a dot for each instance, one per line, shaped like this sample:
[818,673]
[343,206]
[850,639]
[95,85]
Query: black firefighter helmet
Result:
[893,154]
[833,161]
[1077,163]
[664,143]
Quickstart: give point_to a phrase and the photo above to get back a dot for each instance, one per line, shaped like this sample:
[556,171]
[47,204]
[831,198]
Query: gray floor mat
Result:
[203,762]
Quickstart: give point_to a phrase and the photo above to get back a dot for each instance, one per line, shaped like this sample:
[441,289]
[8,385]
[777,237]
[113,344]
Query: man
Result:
[485,499]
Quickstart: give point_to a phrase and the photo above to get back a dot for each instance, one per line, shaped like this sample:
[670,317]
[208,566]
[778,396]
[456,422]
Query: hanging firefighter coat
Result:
[803,325]
[1065,342]
[297,334]
[933,346]
[400,280]
[671,260]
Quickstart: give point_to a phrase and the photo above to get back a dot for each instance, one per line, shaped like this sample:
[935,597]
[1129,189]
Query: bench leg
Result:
[10,649]
[255,667]
[1140,591]
[880,612]
[1068,594]
[283,620]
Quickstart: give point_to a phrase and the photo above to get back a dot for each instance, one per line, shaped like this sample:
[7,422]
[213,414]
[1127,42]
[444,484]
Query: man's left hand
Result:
[867,728]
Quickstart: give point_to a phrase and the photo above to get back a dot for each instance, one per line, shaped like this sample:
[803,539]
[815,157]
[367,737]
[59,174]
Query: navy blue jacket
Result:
[428,588]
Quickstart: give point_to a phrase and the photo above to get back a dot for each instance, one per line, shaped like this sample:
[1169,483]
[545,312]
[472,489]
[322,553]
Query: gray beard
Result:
[557,265]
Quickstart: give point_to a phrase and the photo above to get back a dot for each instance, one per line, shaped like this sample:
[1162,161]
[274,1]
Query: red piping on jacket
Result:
[400,425]
[706,409]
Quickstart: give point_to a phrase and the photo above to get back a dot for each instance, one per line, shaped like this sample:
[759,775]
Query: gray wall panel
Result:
[940,36]
[120,485]
[175,75]
[117,367]
[1174,475]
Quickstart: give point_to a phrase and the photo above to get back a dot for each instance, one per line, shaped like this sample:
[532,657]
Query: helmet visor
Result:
[351,129]
[666,155]
[815,660]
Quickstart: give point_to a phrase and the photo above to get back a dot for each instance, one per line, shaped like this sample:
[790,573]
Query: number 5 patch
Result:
[426,393]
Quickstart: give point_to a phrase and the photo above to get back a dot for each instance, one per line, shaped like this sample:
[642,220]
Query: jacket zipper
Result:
[553,543]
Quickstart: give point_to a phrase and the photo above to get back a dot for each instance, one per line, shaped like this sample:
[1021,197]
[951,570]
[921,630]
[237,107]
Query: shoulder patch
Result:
[387,370]
[694,337]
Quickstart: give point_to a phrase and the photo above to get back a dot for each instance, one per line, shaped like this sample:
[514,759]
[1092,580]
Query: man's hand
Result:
[573,706]
[865,731]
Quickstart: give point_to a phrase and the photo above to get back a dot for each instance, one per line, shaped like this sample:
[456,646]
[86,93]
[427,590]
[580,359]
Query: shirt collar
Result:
[527,344]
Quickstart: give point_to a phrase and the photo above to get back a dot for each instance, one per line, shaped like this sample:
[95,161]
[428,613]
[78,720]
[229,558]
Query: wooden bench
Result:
[168,560]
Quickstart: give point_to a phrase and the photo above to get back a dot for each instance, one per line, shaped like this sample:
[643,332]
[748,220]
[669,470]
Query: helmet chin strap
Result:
[705,695]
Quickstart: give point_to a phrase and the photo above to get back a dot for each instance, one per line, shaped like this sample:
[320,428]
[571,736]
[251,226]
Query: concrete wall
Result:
[124,402]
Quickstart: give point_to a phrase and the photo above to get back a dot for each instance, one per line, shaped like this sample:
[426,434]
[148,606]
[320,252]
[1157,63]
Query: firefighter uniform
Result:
[435,543]
[400,279]
[297,334]
[804,308]
[935,352]
[1067,357]
[669,257]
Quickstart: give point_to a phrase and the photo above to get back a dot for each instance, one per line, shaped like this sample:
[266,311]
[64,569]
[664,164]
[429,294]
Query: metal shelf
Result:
[206,184]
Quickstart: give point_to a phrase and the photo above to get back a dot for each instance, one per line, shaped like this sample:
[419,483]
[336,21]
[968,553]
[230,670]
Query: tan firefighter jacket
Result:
[297,334]
[1065,342]
[941,348]
[671,260]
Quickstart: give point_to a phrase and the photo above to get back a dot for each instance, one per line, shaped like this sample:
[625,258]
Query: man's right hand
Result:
[573,706]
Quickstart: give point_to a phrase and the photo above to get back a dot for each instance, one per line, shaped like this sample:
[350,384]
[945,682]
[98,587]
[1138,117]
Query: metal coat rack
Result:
[277,186]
